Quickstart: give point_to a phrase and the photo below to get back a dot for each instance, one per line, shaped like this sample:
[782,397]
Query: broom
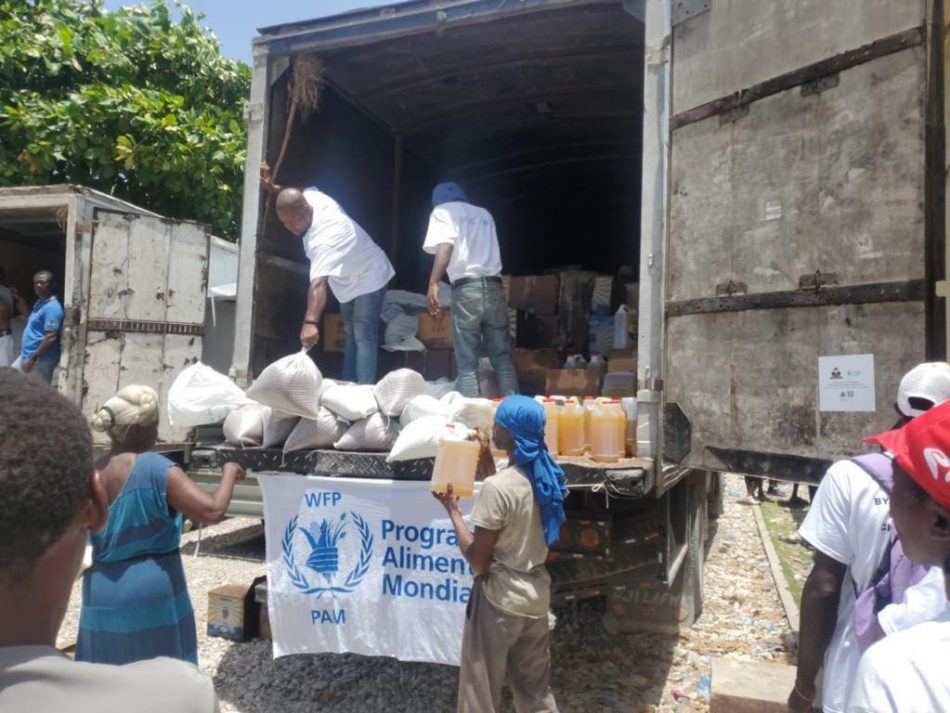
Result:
[304,99]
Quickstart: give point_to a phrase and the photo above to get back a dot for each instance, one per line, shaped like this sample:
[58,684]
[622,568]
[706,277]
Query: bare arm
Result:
[477,549]
[819,613]
[267,181]
[316,304]
[186,497]
[443,255]
[49,339]
[22,306]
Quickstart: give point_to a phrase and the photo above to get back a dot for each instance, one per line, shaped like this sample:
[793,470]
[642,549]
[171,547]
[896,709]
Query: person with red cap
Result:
[906,672]
[848,525]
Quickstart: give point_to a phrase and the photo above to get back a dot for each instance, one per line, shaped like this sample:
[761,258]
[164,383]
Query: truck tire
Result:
[696,571]
[715,508]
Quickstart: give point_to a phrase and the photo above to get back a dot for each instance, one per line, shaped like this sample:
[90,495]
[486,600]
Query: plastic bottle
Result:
[606,442]
[620,327]
[620,425]
[552,420]
[589,403]
[596,361]
[455,464]
[571,362]
[580,361]
[629,406]
[571,429]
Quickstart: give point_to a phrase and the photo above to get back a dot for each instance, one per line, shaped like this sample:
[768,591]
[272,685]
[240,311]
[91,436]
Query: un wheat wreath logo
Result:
[324,538]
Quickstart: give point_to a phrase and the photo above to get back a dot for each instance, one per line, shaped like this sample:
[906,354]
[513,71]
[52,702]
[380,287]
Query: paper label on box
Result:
[846,383]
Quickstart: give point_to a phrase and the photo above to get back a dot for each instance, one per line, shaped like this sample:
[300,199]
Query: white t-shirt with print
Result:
[340,250]
[470,231]
[905,672]
[922,602]
[848,521]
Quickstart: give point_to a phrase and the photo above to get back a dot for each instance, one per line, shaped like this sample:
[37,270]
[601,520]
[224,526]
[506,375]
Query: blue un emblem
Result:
[324,570]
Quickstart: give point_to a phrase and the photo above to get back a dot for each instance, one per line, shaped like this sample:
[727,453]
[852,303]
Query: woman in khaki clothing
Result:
[517,516]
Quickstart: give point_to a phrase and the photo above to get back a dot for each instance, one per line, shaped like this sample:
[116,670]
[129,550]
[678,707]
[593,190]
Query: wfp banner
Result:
[365,566]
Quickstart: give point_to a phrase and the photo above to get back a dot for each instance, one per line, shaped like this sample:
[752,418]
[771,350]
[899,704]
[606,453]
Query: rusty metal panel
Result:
[830,183]
[147,297]
[749,380]
[738,44]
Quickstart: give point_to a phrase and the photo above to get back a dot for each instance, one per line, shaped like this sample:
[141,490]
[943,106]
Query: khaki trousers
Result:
[495,643]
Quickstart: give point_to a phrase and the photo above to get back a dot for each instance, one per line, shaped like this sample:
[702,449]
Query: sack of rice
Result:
[438,389]
[200,395]
[277,427]
[245,427]
[474,413]
[396,388]
[291,385]
[352,402]
[376,433]
[322,432]
[420,439]
[422,406]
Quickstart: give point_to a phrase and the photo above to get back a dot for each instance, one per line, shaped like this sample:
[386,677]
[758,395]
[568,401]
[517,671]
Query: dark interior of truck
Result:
[538,115]
[30,241]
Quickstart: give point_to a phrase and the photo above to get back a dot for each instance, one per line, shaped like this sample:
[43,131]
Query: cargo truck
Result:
[775,169]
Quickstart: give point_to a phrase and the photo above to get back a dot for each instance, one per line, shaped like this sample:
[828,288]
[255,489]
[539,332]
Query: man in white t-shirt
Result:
[849,526]
[50,500]
[462,238]
[906,672]
[344,258]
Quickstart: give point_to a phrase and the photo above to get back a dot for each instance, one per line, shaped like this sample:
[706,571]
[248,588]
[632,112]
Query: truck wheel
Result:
[696,563]
[715,496]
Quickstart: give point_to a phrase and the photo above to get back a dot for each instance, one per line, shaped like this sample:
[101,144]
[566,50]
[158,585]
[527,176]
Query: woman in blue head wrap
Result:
[518,513]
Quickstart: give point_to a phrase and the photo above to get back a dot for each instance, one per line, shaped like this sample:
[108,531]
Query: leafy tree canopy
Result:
[138,103]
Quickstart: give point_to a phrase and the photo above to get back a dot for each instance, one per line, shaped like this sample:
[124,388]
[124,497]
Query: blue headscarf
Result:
[448,192]
[524,419]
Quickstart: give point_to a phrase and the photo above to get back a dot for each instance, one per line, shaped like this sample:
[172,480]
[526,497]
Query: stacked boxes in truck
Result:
[775,168]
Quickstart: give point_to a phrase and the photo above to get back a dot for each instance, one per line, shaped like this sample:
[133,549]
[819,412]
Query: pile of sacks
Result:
[291,406]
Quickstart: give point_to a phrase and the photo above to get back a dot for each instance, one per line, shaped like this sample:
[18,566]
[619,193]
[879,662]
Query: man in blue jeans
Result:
[463,239]
[344,257]
[41,347]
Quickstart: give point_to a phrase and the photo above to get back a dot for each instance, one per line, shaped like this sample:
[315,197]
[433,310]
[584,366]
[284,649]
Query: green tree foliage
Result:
[138,103]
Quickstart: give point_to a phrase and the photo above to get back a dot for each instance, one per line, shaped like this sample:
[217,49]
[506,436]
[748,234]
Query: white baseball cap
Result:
[928,382]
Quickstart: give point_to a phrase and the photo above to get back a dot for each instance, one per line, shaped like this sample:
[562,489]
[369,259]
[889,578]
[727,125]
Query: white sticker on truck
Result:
[846,383]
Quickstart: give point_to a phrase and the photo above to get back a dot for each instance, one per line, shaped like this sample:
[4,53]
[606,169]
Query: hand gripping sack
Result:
[290,385]
[420,407]
[376,433]
[245,426]
[200,396]
[420,439]
[352,402]
[395,390]
[320,433]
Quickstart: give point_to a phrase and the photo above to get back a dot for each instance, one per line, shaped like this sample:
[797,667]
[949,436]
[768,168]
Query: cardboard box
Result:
[538,294]
[232,612]
[436,332]
[621,360]
[620,384]
[601,331]
[603,290]
[531,366]
[439,364]
[573,382]
[632,294]
[534,332]
[333,335]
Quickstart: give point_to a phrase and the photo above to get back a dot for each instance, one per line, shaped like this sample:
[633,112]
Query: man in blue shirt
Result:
[41,348]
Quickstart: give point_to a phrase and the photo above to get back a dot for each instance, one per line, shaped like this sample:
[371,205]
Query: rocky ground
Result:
[593,671]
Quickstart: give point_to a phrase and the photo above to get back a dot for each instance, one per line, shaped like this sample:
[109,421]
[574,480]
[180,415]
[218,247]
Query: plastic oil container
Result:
[455,463]
[629,406]
[571,429]
[551,422]
[608,427]
[620,424]
[588,403]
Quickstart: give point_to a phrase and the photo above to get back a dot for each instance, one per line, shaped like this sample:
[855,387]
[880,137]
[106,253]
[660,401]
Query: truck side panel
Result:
[797,226]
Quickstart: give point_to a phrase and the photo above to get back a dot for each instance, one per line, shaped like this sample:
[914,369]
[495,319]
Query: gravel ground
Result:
[593,671]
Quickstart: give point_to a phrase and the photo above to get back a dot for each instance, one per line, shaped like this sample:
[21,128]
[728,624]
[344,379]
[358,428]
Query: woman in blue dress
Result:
[135,602]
